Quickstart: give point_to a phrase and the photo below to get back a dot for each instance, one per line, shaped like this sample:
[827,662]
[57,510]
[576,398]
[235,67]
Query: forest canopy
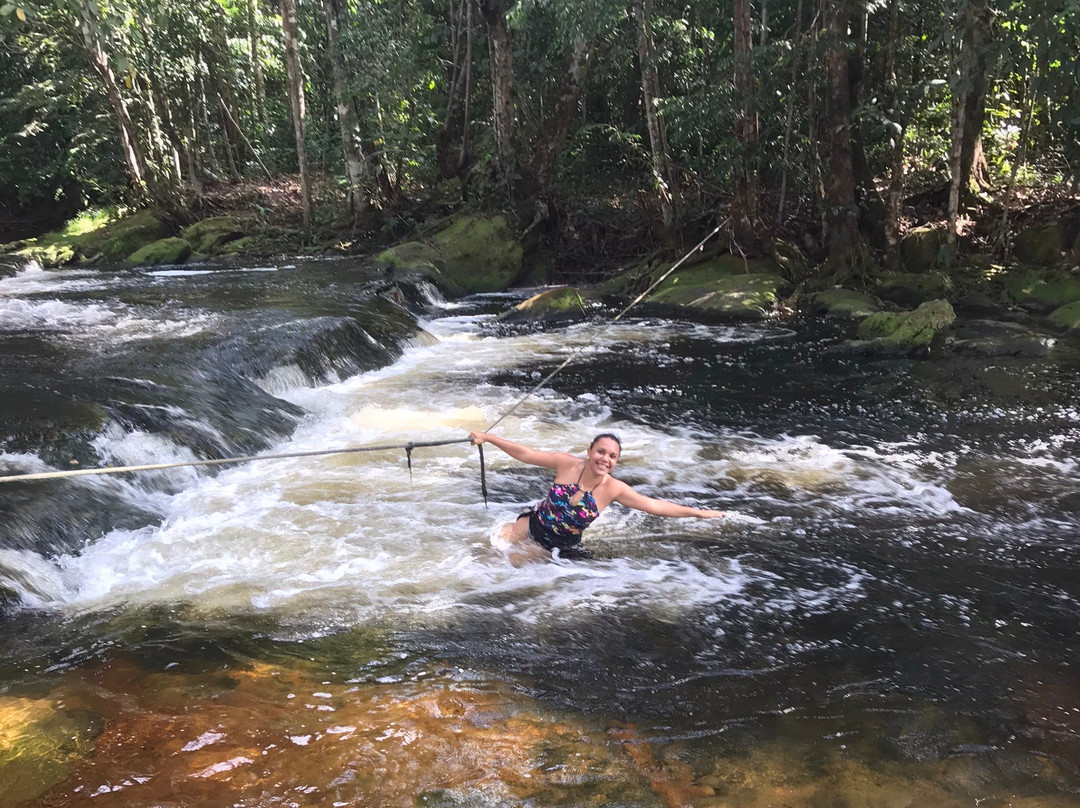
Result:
[767,113]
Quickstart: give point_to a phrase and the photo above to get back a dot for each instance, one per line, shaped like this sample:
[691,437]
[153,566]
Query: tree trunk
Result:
[356,199]
[295,75]
[258,110]
[744,208]
[974,64]
[662,169]
[790,115]
[451,142]
[129,144]
[896,162]
[847,253]
[557,126]
[864,177]
[502,81]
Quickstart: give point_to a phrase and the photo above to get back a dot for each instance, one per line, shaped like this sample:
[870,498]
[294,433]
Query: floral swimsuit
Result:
[556,522]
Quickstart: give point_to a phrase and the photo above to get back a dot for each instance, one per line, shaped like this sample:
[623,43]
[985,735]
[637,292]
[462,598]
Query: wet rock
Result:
[904,332]
[921,247]
[992,338]
[40,742]
[911,289]
[412,255]
[844,304]
[979,304]
[209,236]
[11,265]
[127,235]
[479,254]
[1067,317]
[741,296]
[552,305]
[1040,246]
[164,251]
[51,255]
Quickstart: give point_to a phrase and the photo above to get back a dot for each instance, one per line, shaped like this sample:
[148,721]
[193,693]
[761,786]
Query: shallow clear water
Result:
[887,616]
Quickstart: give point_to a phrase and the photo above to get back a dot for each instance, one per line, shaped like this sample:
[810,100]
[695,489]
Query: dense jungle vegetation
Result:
[602,125]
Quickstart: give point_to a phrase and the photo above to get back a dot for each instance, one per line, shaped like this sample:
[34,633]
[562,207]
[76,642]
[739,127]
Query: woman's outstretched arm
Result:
[660,507]
[534,457]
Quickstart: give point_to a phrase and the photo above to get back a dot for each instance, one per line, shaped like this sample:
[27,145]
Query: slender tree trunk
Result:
[557,126]
[295,75]
[356,200]
[864,178]
[502,81]
[129,144]
[258,108]
[451,155]
[790,115]
[663,171]
[847,253]
[896,161]
[1002,242]
[744,209]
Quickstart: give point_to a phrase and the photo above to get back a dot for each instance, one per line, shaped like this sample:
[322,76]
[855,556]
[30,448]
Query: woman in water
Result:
[583,487]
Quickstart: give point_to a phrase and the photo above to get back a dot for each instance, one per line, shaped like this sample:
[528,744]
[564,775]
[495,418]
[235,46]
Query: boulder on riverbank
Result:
[728,286]
[165,251]
[559,305]
[1041,291]
[914,288]
[904,332]
[921,247]
[846,304]
[479,254]
[1040,246]
[1067,317]
[209,236]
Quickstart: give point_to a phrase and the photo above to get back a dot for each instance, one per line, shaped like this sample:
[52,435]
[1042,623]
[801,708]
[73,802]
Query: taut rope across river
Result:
[408,447]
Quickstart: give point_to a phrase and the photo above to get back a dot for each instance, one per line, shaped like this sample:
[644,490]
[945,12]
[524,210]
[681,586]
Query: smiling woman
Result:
[582,488]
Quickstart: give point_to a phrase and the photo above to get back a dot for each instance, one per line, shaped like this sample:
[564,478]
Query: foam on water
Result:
[113,322]
[351,540]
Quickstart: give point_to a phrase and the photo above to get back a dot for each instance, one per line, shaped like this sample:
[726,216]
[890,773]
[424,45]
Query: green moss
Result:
[913,288]
[127,235]
[921,246]
[731,295]
[163,251]
[1040,246]
[1068,316]
[412,255]
[560,303]
[907,330]
[845,303]
[479,254]
[210,235]
[880,324]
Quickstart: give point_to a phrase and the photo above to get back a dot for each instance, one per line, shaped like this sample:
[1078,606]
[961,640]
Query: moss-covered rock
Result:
[903,332]
[164,251]
[921,246]
[51,255]
[242,246]
[845,304]
[412,255]
[741,296]
[125,236]
[209,236]
[479,254]
[1067,317]
[914,288]
[560,304]
[1040,246]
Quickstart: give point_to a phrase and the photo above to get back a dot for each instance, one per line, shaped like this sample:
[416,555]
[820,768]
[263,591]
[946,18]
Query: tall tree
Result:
[744,209]
[663,170]
[355,163]
[501,45]
[295,78]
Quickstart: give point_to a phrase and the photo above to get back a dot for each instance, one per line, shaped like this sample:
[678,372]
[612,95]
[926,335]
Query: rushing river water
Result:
[887,617]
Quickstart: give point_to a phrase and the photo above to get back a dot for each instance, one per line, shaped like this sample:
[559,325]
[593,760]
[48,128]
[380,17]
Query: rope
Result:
[408,447]
[616,319]
[55,475]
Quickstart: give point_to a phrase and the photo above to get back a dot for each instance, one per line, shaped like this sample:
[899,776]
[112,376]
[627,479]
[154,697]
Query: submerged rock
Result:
[993,338]
[560,304]
[1067,317]
[165,251]
[844,303]
[479,254]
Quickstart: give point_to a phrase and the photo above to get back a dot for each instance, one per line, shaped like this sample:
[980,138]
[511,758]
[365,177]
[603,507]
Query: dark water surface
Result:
[888,617]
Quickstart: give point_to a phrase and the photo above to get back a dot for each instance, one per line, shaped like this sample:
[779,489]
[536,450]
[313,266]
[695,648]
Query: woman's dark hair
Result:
[606,435]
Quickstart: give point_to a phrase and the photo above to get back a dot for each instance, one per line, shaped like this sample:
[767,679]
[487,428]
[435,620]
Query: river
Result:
[887,617]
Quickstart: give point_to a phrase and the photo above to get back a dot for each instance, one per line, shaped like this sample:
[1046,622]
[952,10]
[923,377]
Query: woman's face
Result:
[603,455]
